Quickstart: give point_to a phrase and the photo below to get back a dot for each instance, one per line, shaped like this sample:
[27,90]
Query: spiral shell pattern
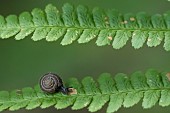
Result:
[50,83]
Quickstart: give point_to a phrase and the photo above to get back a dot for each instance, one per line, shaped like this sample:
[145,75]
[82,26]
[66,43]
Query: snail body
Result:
[52,83]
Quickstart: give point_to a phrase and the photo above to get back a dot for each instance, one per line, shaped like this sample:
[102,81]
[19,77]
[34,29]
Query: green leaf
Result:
[40,33]
[5,106]
[70,36]
[55,34]
[98,102]
[138,81]
[12,27]
[39,17]
[99,18]
[158,21]
[139,38]
[132,98]
[115,19]
[120,39]
[115,103]
[123,82]
[33,104]
[30,94]
[90,86]
[130,21]
[143,20]
[69,15]
[53,15]
[64,102]
[155,38]
[105,37]
[165,79]
[165,98]
[88,35]
[47,103]
[4,97]
[81,102]
[153,79]
[27,27]
[106,83]
[54,19]
[150,98]
[167,19]
[84,17]
[16,95]
[39,21]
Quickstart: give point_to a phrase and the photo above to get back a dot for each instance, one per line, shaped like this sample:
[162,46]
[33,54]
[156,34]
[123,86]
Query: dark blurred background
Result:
[23,62]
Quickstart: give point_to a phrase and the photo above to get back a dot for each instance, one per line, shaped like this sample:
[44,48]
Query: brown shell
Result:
[50,83]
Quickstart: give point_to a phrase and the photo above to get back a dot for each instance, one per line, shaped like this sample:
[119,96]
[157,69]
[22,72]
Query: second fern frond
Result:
[151,87]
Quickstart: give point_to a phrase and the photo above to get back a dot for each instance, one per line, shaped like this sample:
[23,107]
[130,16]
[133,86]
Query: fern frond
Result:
[84,25]
[152,87]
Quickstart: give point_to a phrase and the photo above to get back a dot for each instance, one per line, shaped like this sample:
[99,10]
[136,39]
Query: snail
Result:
[52,83]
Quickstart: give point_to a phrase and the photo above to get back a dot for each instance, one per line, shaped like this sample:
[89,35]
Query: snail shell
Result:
[51,83]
